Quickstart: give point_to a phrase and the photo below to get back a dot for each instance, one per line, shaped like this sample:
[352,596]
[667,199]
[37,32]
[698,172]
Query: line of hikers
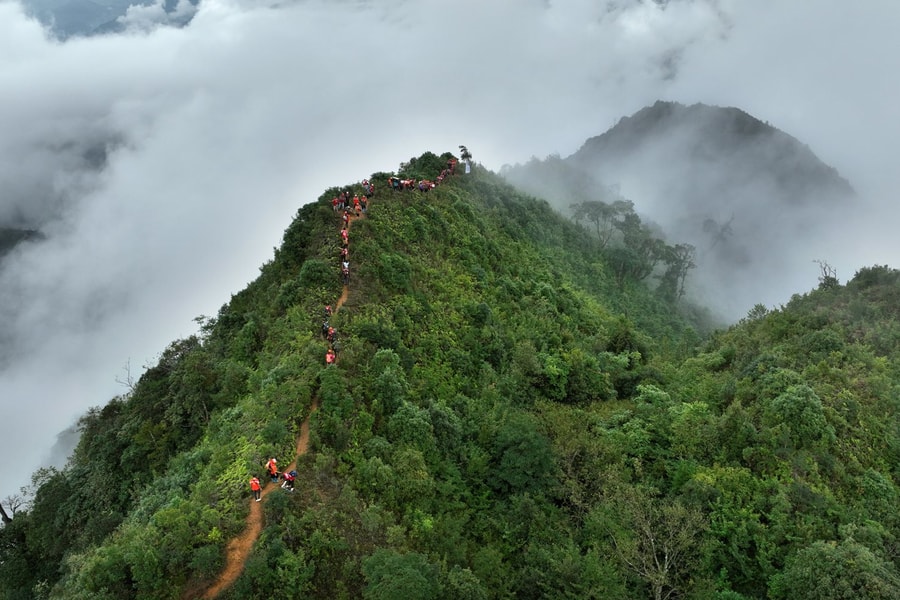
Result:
[345,249]
[346,203]
[329,333]
[275,475]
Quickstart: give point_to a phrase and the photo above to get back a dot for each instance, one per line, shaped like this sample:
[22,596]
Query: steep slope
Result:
[238,549]
[512,416]
[463,281]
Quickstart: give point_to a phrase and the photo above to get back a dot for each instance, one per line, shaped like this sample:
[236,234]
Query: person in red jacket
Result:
[272,468]
[289,480]
[329,357]
[255,487]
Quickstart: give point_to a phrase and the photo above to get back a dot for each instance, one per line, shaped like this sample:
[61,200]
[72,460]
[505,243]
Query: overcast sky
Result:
[217,132]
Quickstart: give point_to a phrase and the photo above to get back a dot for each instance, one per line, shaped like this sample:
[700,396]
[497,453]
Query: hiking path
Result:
[238,549]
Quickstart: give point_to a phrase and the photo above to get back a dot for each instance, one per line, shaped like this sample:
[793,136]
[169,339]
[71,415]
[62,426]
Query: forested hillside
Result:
[755,203]
[518,410]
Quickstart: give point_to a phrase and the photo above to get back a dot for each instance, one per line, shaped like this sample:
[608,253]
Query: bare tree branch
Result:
[129,379]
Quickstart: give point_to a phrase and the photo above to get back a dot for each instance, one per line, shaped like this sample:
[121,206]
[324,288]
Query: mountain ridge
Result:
[516,413]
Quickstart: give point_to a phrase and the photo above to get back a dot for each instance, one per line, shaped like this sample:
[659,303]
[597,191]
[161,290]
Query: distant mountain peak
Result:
[715,134]
[756,203]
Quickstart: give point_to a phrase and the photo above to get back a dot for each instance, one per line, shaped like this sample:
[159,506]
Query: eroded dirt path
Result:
[239,548]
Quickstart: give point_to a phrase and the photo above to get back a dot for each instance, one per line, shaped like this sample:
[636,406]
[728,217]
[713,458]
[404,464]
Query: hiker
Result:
[364,204]
[345,265]
[330,335]
[345,236]
[345,276]
[327,312]
[272,468]
[356,205]
[289,480]
[325,327]
[330,356]
[345,252]
[255,487]
[334,204]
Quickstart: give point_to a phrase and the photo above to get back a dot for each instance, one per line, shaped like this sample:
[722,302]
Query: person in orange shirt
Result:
[329,357]
[255,487]
[272,468]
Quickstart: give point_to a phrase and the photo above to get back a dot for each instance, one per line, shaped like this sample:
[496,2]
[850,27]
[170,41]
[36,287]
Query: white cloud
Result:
[217,132]
[145,18]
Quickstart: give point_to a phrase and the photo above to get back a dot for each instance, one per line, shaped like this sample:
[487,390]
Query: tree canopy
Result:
[522,408]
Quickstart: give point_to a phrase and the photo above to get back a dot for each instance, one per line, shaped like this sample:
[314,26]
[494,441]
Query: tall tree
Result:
[606,217]
[679,261]
[658,540]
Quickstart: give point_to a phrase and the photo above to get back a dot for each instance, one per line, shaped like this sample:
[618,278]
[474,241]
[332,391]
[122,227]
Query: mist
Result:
[759,208]
[162,164]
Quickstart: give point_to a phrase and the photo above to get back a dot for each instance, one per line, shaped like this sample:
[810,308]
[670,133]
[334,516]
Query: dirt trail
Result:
[239,548]
[343,298]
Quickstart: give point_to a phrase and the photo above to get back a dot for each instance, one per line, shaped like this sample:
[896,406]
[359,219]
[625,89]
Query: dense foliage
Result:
[514,415]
